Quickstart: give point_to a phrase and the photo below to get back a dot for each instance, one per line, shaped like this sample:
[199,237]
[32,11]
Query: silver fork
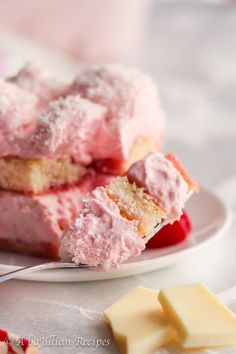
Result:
[49,265]
[58,265]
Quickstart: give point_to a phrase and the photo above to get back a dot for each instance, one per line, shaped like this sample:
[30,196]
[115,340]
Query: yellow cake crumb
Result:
[37,175]
[135,204]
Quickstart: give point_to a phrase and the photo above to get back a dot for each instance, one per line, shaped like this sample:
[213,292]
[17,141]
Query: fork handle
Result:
[25,270]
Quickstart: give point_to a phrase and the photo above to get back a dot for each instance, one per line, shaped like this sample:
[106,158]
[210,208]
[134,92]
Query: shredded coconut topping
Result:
[42,83]
[67,124]
[17,108]
[115,86]
[99,116]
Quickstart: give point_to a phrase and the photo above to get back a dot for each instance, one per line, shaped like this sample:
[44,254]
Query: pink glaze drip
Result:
[100,236]
[162,181]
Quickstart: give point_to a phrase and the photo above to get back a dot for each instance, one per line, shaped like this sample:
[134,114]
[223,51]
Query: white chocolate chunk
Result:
[138,322]
[200,319]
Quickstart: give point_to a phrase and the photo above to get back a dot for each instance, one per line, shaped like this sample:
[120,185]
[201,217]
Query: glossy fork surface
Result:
[49,265]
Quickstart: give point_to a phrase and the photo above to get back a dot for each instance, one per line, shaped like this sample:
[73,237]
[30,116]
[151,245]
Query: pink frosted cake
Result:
[114,219]
[59,141]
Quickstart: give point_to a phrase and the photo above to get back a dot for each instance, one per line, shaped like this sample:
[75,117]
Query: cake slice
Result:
[56,152]
[114,219]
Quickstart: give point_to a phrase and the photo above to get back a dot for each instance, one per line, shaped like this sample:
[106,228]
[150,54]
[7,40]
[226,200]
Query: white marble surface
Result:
[191,51]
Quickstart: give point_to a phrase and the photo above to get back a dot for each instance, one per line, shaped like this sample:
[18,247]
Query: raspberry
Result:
[171,234]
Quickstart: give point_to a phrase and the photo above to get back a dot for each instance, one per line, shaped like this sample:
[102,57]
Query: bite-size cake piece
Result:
[125,210]
[111,225]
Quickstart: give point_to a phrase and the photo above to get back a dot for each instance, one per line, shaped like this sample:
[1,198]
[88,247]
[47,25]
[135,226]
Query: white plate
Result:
[210,219]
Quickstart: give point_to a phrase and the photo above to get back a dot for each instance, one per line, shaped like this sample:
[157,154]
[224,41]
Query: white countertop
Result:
[191,51]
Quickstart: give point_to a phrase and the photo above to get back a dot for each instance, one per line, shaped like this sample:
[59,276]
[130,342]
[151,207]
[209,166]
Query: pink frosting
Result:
[118,105]
[162,181]
[18,109]
[68,126]
[100,236]
[36,219]
[133,106]
[39,81]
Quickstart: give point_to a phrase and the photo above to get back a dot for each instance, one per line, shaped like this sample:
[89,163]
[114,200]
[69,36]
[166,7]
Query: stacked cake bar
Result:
[59,141]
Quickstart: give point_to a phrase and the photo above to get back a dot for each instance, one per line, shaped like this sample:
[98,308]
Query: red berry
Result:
[171,234]
[110,166]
